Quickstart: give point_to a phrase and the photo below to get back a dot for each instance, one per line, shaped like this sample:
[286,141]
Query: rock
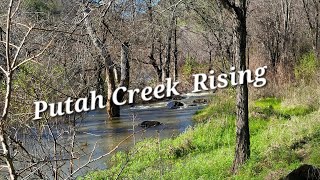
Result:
[192,105]
[149,124]
[177,97]
[304,172]
[174,104]
[200,101]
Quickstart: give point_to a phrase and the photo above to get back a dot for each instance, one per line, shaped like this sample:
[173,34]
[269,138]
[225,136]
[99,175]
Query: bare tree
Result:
[286,14]
[312,10]
[13,62]
[167,62]
[268,19]
[152,57]
[217,32]
[113,110]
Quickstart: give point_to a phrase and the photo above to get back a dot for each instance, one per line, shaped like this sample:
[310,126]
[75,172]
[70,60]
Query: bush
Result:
[189,68]
[306,68]
[42,6]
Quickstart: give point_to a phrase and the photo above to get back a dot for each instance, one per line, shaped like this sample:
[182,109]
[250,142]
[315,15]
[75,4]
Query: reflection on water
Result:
[108,134]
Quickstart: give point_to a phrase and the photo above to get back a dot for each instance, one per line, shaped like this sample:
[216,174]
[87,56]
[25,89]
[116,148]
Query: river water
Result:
[97,130]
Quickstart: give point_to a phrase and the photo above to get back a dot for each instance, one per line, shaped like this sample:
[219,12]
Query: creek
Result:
[97,131]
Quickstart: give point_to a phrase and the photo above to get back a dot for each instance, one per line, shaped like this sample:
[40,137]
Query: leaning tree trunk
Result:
[112,109]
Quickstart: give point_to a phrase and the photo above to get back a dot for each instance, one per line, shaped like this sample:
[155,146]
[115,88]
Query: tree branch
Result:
[33,57]
[21,45]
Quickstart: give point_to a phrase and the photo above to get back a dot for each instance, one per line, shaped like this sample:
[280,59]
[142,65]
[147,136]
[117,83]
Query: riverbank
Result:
[285,133]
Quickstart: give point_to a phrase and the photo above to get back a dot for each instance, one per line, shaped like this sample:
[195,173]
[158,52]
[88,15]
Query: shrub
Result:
[190,67]
[307,67]
[42,6]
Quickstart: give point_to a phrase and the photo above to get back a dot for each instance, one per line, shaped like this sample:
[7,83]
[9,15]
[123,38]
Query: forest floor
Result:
[285,133]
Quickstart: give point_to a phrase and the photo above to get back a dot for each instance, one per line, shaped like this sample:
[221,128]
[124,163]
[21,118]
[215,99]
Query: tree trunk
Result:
[100,81]
[317,51]
[317,30]
[3,137]
[286,13]
[6,153]
[166,65]
[160,62]
[2,58]
[112,109]
[153,61]
[1,36]
[125,69]
[210,60]
[175,53]
[242,152]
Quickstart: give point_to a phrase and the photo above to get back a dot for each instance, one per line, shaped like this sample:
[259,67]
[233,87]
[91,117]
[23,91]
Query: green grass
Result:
[282,138]
[223,106]
[269,107]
